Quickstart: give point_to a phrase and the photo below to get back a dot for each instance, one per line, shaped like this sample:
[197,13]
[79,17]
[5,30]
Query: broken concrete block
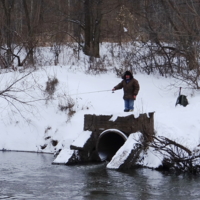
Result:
[63,157]
[127,155]
[81,141]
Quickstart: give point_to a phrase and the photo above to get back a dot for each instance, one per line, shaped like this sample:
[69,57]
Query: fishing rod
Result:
[91,92]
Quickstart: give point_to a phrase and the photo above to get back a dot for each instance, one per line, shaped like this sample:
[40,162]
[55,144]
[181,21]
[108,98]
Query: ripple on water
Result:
[31,176]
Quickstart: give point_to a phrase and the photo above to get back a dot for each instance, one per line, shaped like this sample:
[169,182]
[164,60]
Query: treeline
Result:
[168,29]
[29,24]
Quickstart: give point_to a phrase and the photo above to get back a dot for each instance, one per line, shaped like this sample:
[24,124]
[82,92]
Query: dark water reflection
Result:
[31,176]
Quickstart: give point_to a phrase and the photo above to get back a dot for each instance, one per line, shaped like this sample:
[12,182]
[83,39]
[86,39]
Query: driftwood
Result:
[176,156]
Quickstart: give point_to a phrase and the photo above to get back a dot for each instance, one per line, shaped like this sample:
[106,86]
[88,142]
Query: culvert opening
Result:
[109,143]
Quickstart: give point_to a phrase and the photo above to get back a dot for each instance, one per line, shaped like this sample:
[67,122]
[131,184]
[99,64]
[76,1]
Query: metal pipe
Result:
[109,143]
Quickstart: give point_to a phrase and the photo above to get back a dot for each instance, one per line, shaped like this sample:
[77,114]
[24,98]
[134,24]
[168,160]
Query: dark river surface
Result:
[32,176]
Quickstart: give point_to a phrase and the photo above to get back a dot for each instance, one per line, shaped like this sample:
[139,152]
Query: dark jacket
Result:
[131,88]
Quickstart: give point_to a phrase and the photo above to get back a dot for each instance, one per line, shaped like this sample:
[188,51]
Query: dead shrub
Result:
[119,71]
[68,107]
[97,65]
[47,129]
[51,86]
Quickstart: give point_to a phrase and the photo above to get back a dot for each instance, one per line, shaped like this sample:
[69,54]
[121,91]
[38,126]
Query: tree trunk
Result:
[93,17]
[8,6]
[87,10]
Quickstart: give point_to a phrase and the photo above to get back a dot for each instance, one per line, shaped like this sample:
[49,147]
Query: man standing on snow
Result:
[131,88]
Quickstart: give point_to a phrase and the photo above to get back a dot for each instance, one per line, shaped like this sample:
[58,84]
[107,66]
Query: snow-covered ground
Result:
[31,127]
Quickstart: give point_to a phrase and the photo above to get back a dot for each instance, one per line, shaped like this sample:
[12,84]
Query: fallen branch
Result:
[176,156]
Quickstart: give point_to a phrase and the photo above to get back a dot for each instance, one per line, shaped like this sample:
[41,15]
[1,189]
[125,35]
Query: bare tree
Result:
[8,34]
[92,21]
[169,31]
[20,34]
[17,93]
[32,18]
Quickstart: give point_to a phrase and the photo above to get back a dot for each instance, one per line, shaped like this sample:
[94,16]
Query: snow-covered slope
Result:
[45,125]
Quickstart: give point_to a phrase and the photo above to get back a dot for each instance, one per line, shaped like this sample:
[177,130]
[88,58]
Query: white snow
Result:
[31,127]
[63,156]
[151,159]
[125,29]
[82,139]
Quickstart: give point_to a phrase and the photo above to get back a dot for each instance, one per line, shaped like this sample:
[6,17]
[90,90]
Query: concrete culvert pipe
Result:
[109,143]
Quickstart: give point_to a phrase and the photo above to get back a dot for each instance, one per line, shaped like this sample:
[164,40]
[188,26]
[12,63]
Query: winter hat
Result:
[128,73]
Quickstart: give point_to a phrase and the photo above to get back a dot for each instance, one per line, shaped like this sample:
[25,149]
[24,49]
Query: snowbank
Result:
[45,125]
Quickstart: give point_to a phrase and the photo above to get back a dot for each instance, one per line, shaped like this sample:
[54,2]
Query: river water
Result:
[32,176]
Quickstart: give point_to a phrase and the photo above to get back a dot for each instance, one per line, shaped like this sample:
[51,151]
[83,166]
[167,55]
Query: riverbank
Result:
[45,127]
